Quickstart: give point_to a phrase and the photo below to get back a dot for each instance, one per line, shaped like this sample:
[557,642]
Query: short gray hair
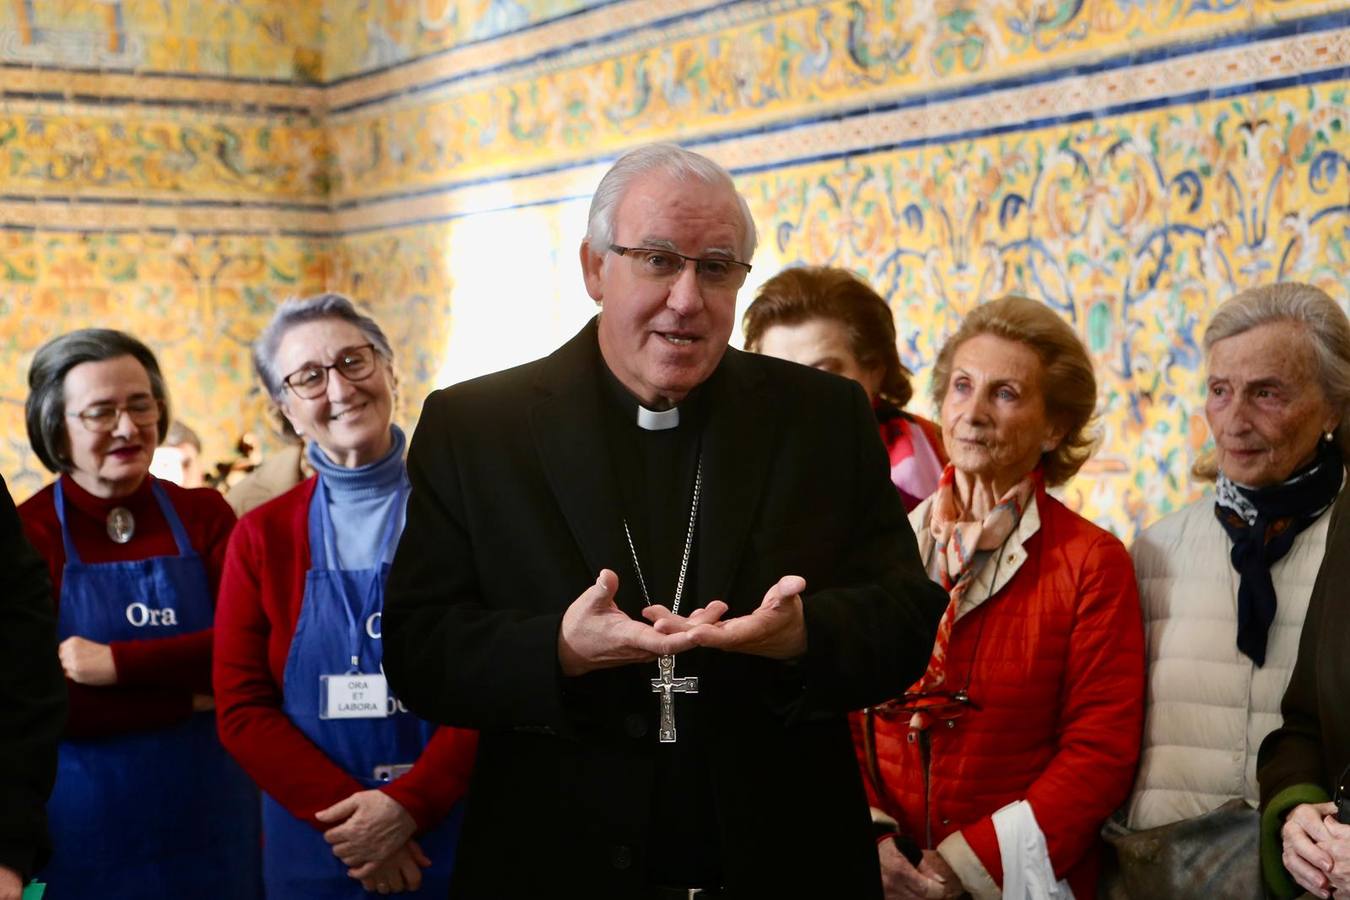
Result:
[45,408]
[1328,332]
[667,159]
[296,311]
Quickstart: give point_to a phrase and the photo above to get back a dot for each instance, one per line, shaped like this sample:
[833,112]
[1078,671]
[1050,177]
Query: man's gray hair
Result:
[45,408]
[297,311]
[666,159]
[1328,332]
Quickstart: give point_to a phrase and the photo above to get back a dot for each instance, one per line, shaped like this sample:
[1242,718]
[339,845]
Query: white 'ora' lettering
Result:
[140,615]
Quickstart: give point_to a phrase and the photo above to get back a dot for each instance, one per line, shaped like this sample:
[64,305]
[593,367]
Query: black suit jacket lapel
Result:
[737,447]
[569,438]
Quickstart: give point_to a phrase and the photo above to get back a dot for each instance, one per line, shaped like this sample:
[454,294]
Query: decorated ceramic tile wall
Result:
[269,39]
[1132,163]
[1133,227]
[197,300]
[360,36]
[163,169]
[735,67]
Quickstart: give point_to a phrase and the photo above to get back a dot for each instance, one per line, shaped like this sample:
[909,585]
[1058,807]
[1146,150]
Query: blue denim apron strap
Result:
[159,813]
[180,535]
[338,624]
[369,594]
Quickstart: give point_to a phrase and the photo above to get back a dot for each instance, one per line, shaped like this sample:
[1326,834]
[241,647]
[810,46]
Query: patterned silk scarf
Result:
[1262,524]
[916,465]
[957,543]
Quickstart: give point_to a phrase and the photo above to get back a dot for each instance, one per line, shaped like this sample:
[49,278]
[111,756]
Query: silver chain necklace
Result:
[688,546]
[667,685]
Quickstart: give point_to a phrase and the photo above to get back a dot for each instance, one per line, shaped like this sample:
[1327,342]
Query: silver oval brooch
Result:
[121,524]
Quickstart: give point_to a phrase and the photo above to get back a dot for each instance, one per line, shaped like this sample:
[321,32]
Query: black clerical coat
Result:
[514,510]
[32,697]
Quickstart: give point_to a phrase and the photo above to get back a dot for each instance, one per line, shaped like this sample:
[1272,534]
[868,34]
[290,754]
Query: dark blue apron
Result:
[339,621]
[161,813]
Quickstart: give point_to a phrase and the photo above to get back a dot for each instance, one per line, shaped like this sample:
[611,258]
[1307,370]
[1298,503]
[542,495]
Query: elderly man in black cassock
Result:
[655,573]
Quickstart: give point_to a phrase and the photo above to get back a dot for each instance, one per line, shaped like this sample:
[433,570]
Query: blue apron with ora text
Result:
[159,813]
[339,632]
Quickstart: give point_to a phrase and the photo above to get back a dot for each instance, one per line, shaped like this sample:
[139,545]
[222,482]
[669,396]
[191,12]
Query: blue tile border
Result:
[855,112]
[789,162]
[542,56]
[1307,24]
[215,106]
[156,74]
[1314,23]
[1192,97]
[476,42]
[162,230]
[355,76]
[164,203]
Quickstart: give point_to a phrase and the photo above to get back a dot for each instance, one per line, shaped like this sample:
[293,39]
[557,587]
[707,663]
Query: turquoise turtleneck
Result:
[361,500]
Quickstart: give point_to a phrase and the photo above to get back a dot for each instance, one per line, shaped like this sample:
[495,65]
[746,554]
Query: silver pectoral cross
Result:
[668,686]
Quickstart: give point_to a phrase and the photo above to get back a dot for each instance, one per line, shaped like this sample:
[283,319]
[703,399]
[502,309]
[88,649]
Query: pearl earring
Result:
[1328,436]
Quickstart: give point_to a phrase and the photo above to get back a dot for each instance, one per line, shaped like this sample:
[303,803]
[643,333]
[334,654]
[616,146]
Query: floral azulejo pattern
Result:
[175,167]
[1133,227]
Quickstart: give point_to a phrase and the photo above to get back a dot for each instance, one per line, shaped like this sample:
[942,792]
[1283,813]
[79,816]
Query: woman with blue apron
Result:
[146,803]
[361,796]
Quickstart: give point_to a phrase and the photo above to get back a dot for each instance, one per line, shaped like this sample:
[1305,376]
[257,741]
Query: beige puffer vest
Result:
[1208,706]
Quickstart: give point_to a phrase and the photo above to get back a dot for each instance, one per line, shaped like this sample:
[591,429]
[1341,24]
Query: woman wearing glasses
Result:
[146,803]
[1005,758]
[360,795]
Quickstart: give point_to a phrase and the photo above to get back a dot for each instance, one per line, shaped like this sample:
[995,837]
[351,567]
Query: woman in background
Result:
[1225,583]
[147,803]
[829,319]
[361,795]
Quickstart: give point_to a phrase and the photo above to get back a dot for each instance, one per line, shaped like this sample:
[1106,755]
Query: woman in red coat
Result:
[361,796]
[1002,762]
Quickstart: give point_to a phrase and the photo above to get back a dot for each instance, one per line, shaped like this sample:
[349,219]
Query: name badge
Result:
[353,697]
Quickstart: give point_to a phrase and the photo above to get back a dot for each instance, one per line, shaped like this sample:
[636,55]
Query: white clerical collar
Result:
[658,420]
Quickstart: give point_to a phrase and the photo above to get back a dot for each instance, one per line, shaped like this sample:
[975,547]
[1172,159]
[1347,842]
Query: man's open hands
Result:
[776,629]
[596,634]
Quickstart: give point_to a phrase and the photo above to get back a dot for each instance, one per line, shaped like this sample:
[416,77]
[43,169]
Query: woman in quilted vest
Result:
[1225,584]
[1001,763]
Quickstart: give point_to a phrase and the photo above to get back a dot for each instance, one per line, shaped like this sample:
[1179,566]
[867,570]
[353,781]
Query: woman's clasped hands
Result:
[371,834]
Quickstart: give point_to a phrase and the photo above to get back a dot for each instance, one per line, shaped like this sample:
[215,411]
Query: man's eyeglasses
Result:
[311,381]
[942,705]
[102,418]
[666,265]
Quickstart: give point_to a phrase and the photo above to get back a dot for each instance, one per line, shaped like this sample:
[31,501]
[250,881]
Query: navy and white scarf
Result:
[1262,524]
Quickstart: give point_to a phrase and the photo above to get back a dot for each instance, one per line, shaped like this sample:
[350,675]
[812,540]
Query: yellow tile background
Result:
[196,167]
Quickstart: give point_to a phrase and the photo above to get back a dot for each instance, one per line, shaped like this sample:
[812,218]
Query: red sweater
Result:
[155,678]
[1057,667]
[260,600]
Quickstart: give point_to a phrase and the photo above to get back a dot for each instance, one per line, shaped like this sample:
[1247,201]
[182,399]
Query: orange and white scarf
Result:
[957,542]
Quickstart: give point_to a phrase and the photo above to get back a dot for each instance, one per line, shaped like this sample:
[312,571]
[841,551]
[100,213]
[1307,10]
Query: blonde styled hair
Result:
[1068,383]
